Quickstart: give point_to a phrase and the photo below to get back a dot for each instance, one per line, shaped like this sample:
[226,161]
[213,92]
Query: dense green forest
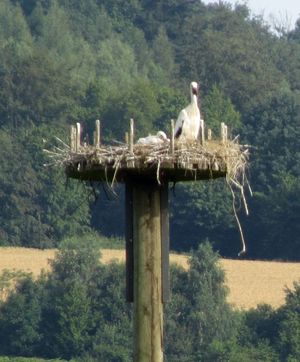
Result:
[63,61]
[78,312]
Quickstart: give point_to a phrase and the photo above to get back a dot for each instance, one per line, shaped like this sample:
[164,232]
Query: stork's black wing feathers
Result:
[179,131]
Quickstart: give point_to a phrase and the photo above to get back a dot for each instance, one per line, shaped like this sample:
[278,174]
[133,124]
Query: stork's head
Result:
[194,88]
[161,135]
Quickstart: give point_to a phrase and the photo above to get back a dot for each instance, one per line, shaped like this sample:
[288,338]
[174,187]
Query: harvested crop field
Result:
[250,282]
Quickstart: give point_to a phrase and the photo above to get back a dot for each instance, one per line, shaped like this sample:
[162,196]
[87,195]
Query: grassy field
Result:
[250,282]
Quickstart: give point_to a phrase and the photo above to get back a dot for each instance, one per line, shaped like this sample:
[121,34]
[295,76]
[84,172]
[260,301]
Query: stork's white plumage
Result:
[159,138]
[188,122]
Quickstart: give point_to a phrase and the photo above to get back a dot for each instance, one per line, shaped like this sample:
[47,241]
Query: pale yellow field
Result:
[250,282]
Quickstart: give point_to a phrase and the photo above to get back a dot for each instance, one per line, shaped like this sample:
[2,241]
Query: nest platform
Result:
[169,161]
[116,164]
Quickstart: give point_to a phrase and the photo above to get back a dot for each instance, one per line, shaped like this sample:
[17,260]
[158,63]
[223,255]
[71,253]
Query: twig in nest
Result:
[61,141]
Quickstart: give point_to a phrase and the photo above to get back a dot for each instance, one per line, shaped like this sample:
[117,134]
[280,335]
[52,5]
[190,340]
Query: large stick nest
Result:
[213,159]
[229,157]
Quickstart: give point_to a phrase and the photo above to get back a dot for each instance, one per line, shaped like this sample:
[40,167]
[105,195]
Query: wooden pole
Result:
[73,139]
[172,138]
[147,281]
[78,136]
[165,241]
[131,135]
[129,240]
[209,134]
[202,136]
[131,142]
[224,132]
[97,133]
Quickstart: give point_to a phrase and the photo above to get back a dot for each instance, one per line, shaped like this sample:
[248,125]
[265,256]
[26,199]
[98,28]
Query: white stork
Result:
[159,138]
[188,122]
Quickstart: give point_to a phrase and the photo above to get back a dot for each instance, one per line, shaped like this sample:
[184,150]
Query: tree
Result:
[112,316]
[139,102]
[67,314]
[204,316]
[18,188]
[170,101]
[261,325]
[204,210]
[16,47]
[67,54]
[170,13]
[221,46]
[289,328]
[88,19]
[20,318]
[37,207]
[273,130]
[294,35]
[218,108]
[163,53]
[277,219]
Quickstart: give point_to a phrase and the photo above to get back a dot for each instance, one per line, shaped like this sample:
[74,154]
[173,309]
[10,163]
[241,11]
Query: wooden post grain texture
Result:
[129,240]
[165,241]
[147,305]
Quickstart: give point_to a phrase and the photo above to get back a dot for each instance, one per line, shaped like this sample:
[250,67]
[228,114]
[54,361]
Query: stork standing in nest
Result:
[187,126]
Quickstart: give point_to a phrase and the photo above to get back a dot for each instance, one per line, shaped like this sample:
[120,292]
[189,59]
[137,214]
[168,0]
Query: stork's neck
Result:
[194,99]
